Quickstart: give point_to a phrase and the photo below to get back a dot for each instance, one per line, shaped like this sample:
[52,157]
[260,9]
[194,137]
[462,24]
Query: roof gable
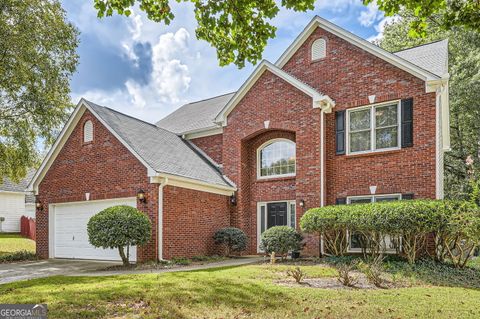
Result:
[319,100]
[363,44]
[160,151]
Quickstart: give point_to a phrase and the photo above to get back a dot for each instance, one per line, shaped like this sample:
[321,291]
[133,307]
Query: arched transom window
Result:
[88,131]
[276,158]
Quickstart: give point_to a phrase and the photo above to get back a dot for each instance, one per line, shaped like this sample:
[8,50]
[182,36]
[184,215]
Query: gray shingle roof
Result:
[196,115]
[432,57]
[162,150]
[9,186]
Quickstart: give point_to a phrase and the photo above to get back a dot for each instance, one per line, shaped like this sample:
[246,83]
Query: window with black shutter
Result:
[407,122]
[340,132]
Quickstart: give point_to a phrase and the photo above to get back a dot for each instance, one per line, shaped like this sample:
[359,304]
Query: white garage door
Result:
[70,229]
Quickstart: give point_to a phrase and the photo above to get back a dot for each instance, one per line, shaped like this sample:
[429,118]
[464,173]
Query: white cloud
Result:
[368,17]
[380,27]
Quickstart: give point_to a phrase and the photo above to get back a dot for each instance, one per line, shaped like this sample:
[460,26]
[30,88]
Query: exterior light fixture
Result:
[38,204]
[302,203]
[141,196]
[233,200]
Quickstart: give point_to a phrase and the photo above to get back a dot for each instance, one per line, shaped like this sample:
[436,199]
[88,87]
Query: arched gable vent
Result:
[88,131]
[319,49]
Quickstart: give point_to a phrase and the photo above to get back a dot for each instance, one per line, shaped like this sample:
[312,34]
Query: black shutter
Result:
[407,196]
[407,122]
[340,132]
[341,201]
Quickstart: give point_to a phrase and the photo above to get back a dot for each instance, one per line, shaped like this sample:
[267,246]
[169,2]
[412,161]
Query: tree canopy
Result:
[239,29]
[37,59]
[464,89]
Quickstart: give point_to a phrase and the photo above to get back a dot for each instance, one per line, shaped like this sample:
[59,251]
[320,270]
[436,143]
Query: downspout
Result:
[322,170]
[160,218]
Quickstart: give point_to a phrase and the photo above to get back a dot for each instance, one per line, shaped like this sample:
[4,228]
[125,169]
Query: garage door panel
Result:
[71,236]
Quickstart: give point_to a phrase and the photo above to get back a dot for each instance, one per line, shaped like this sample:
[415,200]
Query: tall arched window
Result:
[88,131]
[319,49]
[276,158]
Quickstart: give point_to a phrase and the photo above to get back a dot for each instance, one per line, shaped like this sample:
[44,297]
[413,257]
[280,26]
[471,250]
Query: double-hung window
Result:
[355,240]
[373,128]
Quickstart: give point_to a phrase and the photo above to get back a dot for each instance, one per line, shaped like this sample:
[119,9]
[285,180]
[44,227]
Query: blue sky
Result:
[147,69]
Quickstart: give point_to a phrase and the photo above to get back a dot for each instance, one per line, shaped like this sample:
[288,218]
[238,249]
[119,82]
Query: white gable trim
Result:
[179,181]
[357,41]
[63,137]
[318,100]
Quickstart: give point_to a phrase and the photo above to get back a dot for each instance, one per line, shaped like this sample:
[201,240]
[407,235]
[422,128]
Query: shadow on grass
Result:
[437,274]
[166,295]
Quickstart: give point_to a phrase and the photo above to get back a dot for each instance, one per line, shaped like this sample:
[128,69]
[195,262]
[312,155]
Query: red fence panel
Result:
[27,227]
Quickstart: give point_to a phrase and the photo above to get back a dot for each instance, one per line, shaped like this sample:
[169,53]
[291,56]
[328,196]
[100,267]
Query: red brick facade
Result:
[190,219]
[348,75]
[212,145]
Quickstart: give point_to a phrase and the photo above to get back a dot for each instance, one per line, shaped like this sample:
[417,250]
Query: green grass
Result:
[235,292]
[11,243]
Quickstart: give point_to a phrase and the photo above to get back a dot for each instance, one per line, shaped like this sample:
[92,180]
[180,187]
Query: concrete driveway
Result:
[52,267]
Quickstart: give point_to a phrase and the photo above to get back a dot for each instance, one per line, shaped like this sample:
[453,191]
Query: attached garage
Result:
[68,230]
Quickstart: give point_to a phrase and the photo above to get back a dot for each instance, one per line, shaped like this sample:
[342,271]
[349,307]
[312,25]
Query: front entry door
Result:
[277,214]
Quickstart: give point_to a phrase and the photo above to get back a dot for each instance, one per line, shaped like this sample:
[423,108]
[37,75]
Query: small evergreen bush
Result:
[234,239]
[279,240]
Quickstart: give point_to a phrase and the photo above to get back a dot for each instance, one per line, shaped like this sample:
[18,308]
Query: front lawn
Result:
[244,292]
[12,243]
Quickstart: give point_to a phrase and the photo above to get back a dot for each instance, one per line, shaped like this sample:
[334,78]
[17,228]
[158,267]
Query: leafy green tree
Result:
[37,59]
[239,29]
[444,14]
[464,86]
[118,227]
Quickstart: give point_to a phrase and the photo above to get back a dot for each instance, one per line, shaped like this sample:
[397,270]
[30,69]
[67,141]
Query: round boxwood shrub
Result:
[234,239]
[118,227]
[280,240]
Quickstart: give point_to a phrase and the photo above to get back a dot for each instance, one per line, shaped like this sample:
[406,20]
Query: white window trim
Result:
[259,211]
[259,164]
[373,128]
[387,237]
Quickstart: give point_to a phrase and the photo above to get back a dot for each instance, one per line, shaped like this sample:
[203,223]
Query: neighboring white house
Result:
[15,202]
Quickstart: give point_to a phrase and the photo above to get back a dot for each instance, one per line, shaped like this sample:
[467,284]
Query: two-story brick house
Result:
[335,120]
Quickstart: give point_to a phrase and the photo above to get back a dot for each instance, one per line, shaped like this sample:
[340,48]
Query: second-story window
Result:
[276,158]
[373,128]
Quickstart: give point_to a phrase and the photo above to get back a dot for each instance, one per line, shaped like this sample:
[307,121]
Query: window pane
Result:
[277,158]
[386,115]
[360,120]
[360,141]
[361,200]
[292,215]
[357,240]
[386,198]
[386,137]
[262,219]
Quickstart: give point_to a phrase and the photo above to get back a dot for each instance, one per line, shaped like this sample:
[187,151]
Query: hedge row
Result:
[455,226]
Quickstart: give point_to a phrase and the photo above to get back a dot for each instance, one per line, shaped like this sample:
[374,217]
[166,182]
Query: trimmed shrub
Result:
[455,224]
[118,227]
[279,240]
[234,239]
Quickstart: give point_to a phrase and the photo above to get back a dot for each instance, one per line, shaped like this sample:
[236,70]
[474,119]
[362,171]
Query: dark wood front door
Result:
[276,214]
